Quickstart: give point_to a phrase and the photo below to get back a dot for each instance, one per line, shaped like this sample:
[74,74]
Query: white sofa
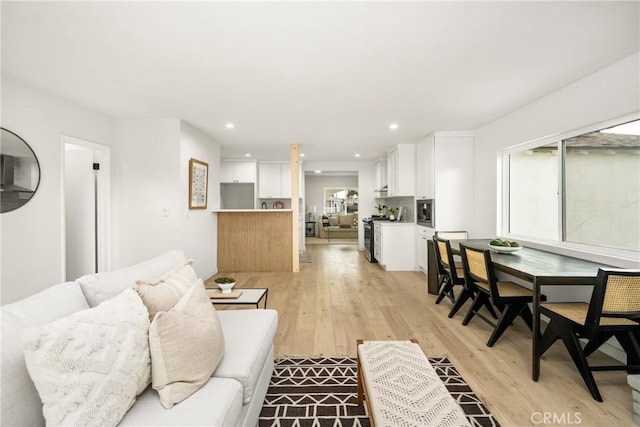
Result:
[232,397]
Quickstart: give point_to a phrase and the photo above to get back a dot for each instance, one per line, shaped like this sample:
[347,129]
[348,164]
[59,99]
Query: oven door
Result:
[425,212]
[368,242]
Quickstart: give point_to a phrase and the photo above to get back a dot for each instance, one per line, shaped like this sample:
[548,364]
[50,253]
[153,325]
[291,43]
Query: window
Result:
[577,190]
[340,200]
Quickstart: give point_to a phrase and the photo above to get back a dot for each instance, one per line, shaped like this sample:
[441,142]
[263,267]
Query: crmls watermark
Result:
[556,418]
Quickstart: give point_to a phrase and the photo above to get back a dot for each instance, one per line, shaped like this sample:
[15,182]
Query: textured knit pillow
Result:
[89,367]
[186,346]
[163,293]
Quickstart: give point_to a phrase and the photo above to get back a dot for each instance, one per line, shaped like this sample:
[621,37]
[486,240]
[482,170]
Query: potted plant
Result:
[380,208]
[225,283]
[392,213]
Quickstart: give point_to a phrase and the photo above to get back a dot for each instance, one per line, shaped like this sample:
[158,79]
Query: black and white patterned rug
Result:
[317,392]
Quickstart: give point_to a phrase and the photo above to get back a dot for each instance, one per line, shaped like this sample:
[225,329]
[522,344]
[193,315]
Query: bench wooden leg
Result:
[359,374]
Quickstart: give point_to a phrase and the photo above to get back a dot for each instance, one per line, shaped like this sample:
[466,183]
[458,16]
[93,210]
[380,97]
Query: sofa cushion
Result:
[102,286]
[346,220]
[217,403]
[333,221]
[89,367]
[19,398]
[249,335]
[163,293]
[186,346]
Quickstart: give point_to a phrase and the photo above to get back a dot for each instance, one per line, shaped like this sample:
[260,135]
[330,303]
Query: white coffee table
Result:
[251,296]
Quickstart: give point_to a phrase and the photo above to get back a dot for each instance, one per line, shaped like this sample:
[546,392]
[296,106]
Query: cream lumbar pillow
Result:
[89,367]
[186,345]
[163,293]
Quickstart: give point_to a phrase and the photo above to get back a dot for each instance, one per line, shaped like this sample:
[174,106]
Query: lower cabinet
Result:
[423,235]
[394,245]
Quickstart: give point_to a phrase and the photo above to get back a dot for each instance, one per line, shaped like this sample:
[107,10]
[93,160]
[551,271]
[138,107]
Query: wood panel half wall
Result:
[254,241]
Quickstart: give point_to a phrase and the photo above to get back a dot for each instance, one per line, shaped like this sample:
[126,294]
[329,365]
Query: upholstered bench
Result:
[401,388]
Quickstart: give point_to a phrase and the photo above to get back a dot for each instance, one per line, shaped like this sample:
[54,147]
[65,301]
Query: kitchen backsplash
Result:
[408,203]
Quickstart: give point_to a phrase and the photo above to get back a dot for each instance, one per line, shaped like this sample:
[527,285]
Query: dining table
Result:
[540,268]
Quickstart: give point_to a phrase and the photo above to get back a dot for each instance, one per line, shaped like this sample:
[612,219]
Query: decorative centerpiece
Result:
[504,246]
[225,283]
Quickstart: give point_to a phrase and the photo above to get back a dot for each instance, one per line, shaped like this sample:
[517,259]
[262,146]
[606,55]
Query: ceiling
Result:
[330,76]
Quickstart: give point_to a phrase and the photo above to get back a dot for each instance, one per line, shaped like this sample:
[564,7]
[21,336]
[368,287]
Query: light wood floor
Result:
[339,297]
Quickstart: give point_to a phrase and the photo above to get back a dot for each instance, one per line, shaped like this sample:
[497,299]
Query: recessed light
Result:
[229,125]
[393,126]
[357,154]
[248,155]
[317,171]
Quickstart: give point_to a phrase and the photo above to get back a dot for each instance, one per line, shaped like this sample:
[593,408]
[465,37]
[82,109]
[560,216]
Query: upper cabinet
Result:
[425,186]
[237,171]
[380,175]
[274,180]
[445,173]
[401,170]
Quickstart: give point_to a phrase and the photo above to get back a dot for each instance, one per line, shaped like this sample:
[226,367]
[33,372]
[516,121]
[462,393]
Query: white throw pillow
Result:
[186,346]
[89,367]
[102,286]
[163,293]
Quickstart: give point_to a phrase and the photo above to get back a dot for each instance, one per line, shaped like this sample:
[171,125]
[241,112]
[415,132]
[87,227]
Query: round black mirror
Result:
[19,172]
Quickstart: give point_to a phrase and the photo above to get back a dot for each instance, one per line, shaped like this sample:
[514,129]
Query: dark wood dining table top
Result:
[542,266]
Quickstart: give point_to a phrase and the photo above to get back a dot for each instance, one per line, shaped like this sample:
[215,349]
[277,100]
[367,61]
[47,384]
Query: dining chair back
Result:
[452,235]
[616,295]
[613,311]
[512,299]
[450,272]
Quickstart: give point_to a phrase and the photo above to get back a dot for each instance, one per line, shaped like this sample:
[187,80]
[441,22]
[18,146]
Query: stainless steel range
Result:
[369,236]
[368,240]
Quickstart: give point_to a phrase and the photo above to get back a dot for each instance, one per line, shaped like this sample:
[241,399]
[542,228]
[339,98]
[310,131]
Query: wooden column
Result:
[295,208]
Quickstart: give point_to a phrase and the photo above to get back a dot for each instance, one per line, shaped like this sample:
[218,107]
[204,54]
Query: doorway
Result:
[86,201]
[332,207]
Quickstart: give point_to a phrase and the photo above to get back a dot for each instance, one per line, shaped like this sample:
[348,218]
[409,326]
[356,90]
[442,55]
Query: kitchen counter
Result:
[254,240]
[393,223]
[250,210]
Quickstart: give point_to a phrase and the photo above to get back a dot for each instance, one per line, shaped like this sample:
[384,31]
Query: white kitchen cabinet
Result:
[445,174]
[425,170]
[274,180]
[394,245]
[286,180]
[401,167]
[232,171]
[380,174]
[423,235]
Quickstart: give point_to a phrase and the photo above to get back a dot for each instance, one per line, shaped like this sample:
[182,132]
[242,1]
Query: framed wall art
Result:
[198,184]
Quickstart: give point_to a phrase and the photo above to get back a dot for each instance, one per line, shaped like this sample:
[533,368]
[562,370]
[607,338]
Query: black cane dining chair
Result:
[452,235]
[450,272]
[511,299]
[614,310]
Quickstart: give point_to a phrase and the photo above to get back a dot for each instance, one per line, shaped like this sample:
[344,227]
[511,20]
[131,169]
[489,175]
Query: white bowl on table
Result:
[505,249]
[225,288]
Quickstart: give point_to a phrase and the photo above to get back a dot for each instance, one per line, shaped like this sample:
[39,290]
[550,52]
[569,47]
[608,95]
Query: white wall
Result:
[146,183]
[32,255]
[199,228]
[150,161]
[607,94]
[314,186]
[151,193]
